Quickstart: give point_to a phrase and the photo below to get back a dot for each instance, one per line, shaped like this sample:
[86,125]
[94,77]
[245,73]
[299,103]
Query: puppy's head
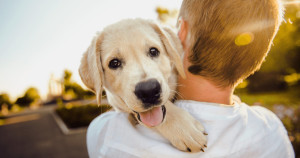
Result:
[133,61]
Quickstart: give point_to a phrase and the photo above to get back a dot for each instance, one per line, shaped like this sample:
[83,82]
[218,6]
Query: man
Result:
[224,42]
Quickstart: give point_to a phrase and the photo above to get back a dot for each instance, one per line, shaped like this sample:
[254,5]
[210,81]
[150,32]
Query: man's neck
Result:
[198,88]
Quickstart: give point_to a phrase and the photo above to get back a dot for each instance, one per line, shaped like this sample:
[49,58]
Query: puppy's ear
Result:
[90,69]
[173,46]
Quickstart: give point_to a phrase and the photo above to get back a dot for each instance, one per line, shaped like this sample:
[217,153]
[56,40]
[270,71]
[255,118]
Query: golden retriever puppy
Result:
[136,62]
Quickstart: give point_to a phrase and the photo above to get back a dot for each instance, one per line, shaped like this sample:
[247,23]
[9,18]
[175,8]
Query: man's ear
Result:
[172,45]
[90,69]
[183,31]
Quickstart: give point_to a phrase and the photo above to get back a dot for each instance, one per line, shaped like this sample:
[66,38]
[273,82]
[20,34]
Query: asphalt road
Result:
[37,135]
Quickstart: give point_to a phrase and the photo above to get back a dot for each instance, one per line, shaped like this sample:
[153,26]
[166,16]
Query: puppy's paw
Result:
[190,135]
[182,130]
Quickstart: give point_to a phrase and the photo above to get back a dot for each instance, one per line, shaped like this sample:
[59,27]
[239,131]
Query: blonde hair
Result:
[229,39]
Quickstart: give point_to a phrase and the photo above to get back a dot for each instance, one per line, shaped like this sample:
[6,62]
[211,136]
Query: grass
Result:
[290,97]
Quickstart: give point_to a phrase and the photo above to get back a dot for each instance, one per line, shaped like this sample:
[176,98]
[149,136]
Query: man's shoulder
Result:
[262,111]
[272,131]
[265,115]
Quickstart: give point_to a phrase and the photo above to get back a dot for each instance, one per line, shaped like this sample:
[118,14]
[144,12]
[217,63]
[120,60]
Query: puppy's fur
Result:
[119,59]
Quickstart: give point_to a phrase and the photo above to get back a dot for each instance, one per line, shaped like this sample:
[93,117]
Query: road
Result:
[37,135]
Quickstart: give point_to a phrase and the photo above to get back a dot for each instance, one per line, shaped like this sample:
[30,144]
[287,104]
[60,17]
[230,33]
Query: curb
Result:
[63,127]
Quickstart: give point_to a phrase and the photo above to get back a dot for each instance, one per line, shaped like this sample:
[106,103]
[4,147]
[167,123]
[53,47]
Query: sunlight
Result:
[295,2]
[292,78]
[244,39]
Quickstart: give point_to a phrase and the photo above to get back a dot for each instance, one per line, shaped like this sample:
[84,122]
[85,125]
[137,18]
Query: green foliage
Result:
[285,45]
[67,76]
[266,81]
[289,97]
[4,99]
[73,89]
[293,55]
[294,58]
[31,95]
[79,116]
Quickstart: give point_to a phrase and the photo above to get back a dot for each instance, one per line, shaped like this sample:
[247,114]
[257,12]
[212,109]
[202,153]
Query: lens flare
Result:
[244,39]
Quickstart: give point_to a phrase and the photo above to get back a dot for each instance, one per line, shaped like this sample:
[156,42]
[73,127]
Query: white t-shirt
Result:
[238,131]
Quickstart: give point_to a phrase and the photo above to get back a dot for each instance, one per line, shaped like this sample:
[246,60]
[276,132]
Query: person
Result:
[224,42]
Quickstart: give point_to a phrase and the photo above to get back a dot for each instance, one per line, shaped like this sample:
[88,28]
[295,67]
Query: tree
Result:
[67,76]
[73,89]
[167,16]
[4,99]
[293,55]
[31,96]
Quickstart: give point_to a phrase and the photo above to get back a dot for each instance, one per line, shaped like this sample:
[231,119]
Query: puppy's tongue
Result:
[152,117]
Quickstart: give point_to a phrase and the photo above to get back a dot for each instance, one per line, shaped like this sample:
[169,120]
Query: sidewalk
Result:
[37,135]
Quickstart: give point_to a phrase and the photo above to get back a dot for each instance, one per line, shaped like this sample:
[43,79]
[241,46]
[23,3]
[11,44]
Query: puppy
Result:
[136,62]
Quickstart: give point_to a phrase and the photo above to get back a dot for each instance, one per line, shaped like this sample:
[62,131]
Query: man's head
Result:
[228,40]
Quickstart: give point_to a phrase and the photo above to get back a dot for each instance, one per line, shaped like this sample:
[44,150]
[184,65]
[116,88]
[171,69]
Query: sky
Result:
[43,37]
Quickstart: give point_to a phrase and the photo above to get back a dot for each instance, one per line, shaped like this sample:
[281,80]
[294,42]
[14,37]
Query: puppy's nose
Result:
[148,92]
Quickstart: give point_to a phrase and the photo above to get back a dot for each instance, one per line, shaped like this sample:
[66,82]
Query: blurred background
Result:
[44,107]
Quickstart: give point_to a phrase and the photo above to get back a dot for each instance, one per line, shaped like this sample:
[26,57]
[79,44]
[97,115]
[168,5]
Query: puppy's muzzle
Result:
[148,92]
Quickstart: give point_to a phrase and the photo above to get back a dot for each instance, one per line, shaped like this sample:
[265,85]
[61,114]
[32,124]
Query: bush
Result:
[30,97]
[73,90]
[266,82]
[4,99]
[80,116]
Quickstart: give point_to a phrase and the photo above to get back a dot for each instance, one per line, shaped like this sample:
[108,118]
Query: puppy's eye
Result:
[153,52]
[114,64]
